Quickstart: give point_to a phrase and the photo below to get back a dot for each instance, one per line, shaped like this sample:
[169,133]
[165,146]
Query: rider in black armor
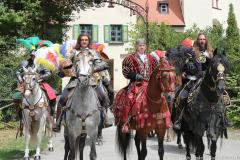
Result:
[193,70]
[44,73]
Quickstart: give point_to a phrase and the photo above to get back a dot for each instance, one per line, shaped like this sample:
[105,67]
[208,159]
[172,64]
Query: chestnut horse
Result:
[152,116]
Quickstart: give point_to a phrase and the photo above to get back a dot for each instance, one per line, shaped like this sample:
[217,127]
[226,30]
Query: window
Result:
[86,28]
[116,33]
[91,30]
[215,4]
[163,8]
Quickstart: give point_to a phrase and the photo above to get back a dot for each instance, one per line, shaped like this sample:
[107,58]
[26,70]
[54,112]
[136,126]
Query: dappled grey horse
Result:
[35,112]
[82,114]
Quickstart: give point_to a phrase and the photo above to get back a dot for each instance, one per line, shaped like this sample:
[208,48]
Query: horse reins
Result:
[220,76]
[30,106]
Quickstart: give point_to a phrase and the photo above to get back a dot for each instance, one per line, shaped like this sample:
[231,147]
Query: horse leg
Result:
[200,148]
[160,147]
[186,138]
[144,148]
[100,127]
[168,138]
[49,125]
[137,144]
[93,153]
[209,142]
[26,123]
[179,143]
[27,140]
[66,147]
[81,145]
[213,149]
[151,134]
[39,127]
[72,141]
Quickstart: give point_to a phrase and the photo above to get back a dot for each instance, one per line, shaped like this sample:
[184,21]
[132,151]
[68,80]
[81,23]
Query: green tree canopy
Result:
[232,35]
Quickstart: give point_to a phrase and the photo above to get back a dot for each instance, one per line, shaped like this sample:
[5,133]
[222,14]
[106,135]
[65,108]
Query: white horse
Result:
[35,112]
[83,115]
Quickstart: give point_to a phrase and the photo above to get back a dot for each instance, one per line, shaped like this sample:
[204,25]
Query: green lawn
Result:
[12,148]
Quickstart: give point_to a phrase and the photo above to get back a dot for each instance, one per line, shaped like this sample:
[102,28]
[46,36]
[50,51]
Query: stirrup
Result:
[57,128]
[226,99]
[106,125]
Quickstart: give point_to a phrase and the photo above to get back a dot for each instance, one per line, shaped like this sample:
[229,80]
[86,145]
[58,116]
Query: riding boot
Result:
[61,103]
[106,120]
[110,91]
[110,94]
[177,125]
[59,115]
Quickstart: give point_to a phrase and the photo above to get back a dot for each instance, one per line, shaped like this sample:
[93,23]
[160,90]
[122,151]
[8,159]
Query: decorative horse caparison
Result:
[82,115]
[205,109]
[35,111]
[161,81]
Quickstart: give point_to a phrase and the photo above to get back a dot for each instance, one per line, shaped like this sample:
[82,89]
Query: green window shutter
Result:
[76,31]
[95,33]
[107,35]
[125,33]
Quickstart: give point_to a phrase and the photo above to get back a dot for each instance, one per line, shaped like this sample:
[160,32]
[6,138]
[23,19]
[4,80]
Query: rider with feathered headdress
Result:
[32,44]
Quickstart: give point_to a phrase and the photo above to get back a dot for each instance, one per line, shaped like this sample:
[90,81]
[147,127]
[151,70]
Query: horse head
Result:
[217,70]
[161,85]
[166,77]
[30,79]
[84,66]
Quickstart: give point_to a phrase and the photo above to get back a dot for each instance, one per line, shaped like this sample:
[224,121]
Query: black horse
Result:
[205,110]
[183,59]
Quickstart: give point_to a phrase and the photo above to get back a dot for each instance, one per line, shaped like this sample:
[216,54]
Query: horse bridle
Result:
[27,86]
[220,76]
[85,79]
[27,82]
[160,77]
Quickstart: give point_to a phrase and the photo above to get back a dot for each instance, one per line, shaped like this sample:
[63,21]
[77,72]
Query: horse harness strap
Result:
[82,118]
[159,117]
[34,106]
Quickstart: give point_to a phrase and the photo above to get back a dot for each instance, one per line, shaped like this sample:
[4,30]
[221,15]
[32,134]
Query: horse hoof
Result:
[168,140]
[180,146]
[100,142]
[26,158]
[37,157]
[199,158]
[51,149]
[188,157]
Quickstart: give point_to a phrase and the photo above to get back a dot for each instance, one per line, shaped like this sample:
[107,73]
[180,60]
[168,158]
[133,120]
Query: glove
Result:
[100,68]
[139,77]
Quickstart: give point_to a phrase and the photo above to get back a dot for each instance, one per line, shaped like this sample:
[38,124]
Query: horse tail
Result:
[123,141]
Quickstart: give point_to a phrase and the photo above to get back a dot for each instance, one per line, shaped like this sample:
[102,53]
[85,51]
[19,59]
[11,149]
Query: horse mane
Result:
[220,58]
[179,55]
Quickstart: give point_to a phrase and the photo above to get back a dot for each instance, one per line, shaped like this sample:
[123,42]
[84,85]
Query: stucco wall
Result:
[197,12]
[106,16]
[222,14]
